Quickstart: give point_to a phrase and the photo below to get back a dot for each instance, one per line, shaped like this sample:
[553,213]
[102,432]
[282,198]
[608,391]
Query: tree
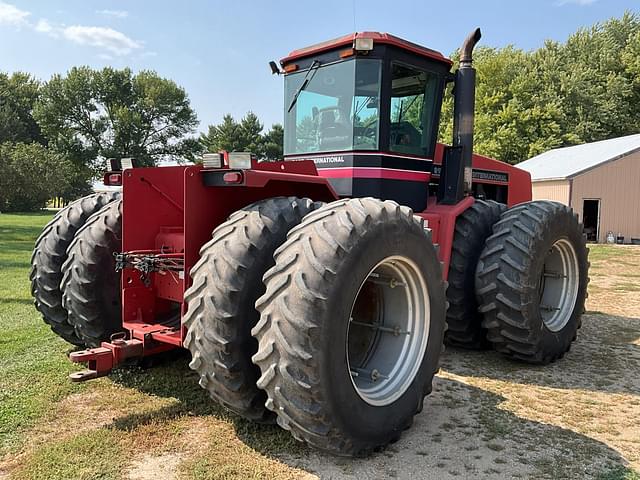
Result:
[30,174]
[244,136]
[224,136]
[512,121]
[583,90]
[96,114]
[272,143]
[251,133]
[18,95]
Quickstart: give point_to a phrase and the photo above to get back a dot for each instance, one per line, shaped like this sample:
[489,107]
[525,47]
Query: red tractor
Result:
[317,291]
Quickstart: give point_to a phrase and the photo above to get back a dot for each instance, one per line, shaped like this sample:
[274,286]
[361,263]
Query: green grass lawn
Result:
[33,364]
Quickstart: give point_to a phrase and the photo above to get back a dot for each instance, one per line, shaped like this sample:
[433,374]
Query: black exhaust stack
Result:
[456,176]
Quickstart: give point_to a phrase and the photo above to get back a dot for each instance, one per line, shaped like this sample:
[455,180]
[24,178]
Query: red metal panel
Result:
[138,302]
[302,167]
[153,198]
[444,216]
[169,285]
[170,239]
[153,204]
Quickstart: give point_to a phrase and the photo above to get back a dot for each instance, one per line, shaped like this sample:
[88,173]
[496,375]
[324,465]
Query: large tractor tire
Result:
[50,252]
[464,323]
[532,281]
[227,281]
[90,283]
[351,325]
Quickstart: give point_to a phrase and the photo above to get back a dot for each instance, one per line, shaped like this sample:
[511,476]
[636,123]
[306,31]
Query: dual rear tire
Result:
[347,327]
[227,281]
[517,280]
[531,282]
[351,326]
[464,321]
[90,283]
[50,260]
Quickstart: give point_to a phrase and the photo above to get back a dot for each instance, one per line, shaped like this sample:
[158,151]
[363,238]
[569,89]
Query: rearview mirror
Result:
[275,70]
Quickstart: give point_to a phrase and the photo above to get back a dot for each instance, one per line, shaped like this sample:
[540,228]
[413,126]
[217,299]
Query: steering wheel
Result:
[401,129]
[366,132]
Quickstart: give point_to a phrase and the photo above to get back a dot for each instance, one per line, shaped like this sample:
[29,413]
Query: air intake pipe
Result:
[464,105]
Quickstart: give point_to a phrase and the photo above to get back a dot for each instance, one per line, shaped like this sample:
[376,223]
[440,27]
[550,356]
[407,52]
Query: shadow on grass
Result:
[602,359]
[169,376]
[16,301]
[546,449]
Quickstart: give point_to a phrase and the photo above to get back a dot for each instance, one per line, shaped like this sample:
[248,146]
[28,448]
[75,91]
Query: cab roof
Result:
[378,37]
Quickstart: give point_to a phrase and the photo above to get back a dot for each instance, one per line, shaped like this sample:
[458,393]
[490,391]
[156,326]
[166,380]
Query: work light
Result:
[363,44]
[212,160]
[128,163]
[240,160]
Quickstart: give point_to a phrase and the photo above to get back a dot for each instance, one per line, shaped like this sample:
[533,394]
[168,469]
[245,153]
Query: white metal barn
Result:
[600,181]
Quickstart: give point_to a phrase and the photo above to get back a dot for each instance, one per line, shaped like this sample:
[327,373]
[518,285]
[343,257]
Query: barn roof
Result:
[567,162]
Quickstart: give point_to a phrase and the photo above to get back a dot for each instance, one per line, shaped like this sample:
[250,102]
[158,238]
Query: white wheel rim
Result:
[388,331]
[559,283]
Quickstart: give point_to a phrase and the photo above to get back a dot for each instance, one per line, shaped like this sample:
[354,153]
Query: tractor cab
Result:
[365,108]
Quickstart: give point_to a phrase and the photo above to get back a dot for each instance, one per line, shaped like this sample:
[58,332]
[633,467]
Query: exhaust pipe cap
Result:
[466,53]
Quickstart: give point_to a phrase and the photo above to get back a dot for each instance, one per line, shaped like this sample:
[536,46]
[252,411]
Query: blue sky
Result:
[219,50]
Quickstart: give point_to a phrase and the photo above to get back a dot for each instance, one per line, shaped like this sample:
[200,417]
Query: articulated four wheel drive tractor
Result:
[317,291]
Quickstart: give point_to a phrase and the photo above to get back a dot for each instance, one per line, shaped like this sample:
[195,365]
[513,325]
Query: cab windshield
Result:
[333,107]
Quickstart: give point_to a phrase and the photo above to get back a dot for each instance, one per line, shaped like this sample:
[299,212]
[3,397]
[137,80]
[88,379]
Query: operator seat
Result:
[333,135]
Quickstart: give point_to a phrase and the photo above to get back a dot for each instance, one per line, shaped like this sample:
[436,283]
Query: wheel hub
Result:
[559,282]
[388,331]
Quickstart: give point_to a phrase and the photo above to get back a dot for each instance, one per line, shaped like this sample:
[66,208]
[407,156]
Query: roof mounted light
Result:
[363,44]
[240,160]
[212,160]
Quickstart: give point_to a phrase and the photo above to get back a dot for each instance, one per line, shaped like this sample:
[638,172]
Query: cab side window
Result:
[413,98]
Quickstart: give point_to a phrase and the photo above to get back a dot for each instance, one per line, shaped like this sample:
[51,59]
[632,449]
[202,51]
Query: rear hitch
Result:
[101,360]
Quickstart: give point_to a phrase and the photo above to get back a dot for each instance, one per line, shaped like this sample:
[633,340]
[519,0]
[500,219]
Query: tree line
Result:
[55,135]
[565,93]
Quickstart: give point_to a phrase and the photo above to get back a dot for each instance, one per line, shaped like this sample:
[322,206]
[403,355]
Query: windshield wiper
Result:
[307,78]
